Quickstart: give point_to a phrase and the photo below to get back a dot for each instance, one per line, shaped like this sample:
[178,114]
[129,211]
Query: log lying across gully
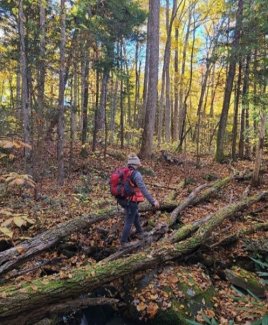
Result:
[19,300]
[27,249]
[15,256]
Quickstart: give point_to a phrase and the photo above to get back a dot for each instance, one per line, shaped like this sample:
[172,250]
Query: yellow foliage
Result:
[14,179]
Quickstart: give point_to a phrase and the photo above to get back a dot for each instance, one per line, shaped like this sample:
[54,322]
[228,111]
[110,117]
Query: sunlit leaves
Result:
[9,220]
[18,180]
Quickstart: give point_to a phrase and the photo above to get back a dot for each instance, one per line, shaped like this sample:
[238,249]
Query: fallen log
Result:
[187,202]
[155,235]
[19,254]
[64,307]
[18,300]
[234,237]
[15,256]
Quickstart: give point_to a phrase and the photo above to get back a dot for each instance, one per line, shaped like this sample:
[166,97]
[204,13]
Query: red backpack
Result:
[120,183]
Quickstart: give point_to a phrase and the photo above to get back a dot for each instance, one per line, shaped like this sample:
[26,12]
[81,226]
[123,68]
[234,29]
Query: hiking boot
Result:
[140,235]
[125,245]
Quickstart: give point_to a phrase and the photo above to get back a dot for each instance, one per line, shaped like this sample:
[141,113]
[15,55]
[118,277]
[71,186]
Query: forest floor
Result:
[86,190]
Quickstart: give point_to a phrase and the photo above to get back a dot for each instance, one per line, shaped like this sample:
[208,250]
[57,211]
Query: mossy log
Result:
[18,300]
[15,256]
[247,281]
[243,232]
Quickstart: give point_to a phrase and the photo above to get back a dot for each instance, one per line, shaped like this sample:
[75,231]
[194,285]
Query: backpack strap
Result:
[134,171]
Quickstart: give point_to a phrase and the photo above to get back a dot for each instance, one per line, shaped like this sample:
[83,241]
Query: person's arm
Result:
[138,180]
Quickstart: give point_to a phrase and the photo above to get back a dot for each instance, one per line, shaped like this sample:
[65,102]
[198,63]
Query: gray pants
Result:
[131,217]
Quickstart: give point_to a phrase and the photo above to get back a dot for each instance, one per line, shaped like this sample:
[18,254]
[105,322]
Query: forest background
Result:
[194,79]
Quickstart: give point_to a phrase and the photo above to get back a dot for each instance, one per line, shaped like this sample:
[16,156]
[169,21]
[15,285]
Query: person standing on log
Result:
[133,192]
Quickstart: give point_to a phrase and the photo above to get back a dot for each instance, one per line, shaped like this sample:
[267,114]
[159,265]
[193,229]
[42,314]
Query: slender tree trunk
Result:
[147,138]
[176,88]
[103,100]
[85,85]
[60,144]
[183,136]
[127,86]
[146,73]
[259,154]
[229,85]
[41,74]
[11,90]
[137,84]
[161,106]
[245,97]
[236,108]
[214,91]
[18,90]
[24,87]
[95,131]
[73,112]
[113,109]
[122,124]
[244,108]
[182,112]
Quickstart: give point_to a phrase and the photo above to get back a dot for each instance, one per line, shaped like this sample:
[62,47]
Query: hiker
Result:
[129,189]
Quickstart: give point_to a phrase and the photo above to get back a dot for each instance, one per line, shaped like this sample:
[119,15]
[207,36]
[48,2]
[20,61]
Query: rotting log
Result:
[18,300]
[19,254]
[185,231]
[187,202]
[15,256]
[64,307]
[234,237]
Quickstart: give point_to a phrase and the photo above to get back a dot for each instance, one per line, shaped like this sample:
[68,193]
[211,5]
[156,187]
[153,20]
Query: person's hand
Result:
[156,204]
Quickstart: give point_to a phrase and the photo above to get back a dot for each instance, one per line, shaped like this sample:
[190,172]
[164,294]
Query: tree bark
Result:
[85,84]
[60,144]
[20,300]
[244,117]
[182,112]
[148,132]
[229,85]
[146,74]
[236,108]
[259,154]
[24,87]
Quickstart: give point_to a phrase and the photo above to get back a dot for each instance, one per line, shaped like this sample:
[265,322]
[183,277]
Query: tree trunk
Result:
[236,108]
[189,88]
[229,85]
[113,109]
[41,74]
[148,132]
[175,128]
[245,102]
[24,87]
[243,128]
[182,112]
[95,131]
[19,301]
[146,74]
[103,100]
[259,154]
[85,85]
[60,144]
